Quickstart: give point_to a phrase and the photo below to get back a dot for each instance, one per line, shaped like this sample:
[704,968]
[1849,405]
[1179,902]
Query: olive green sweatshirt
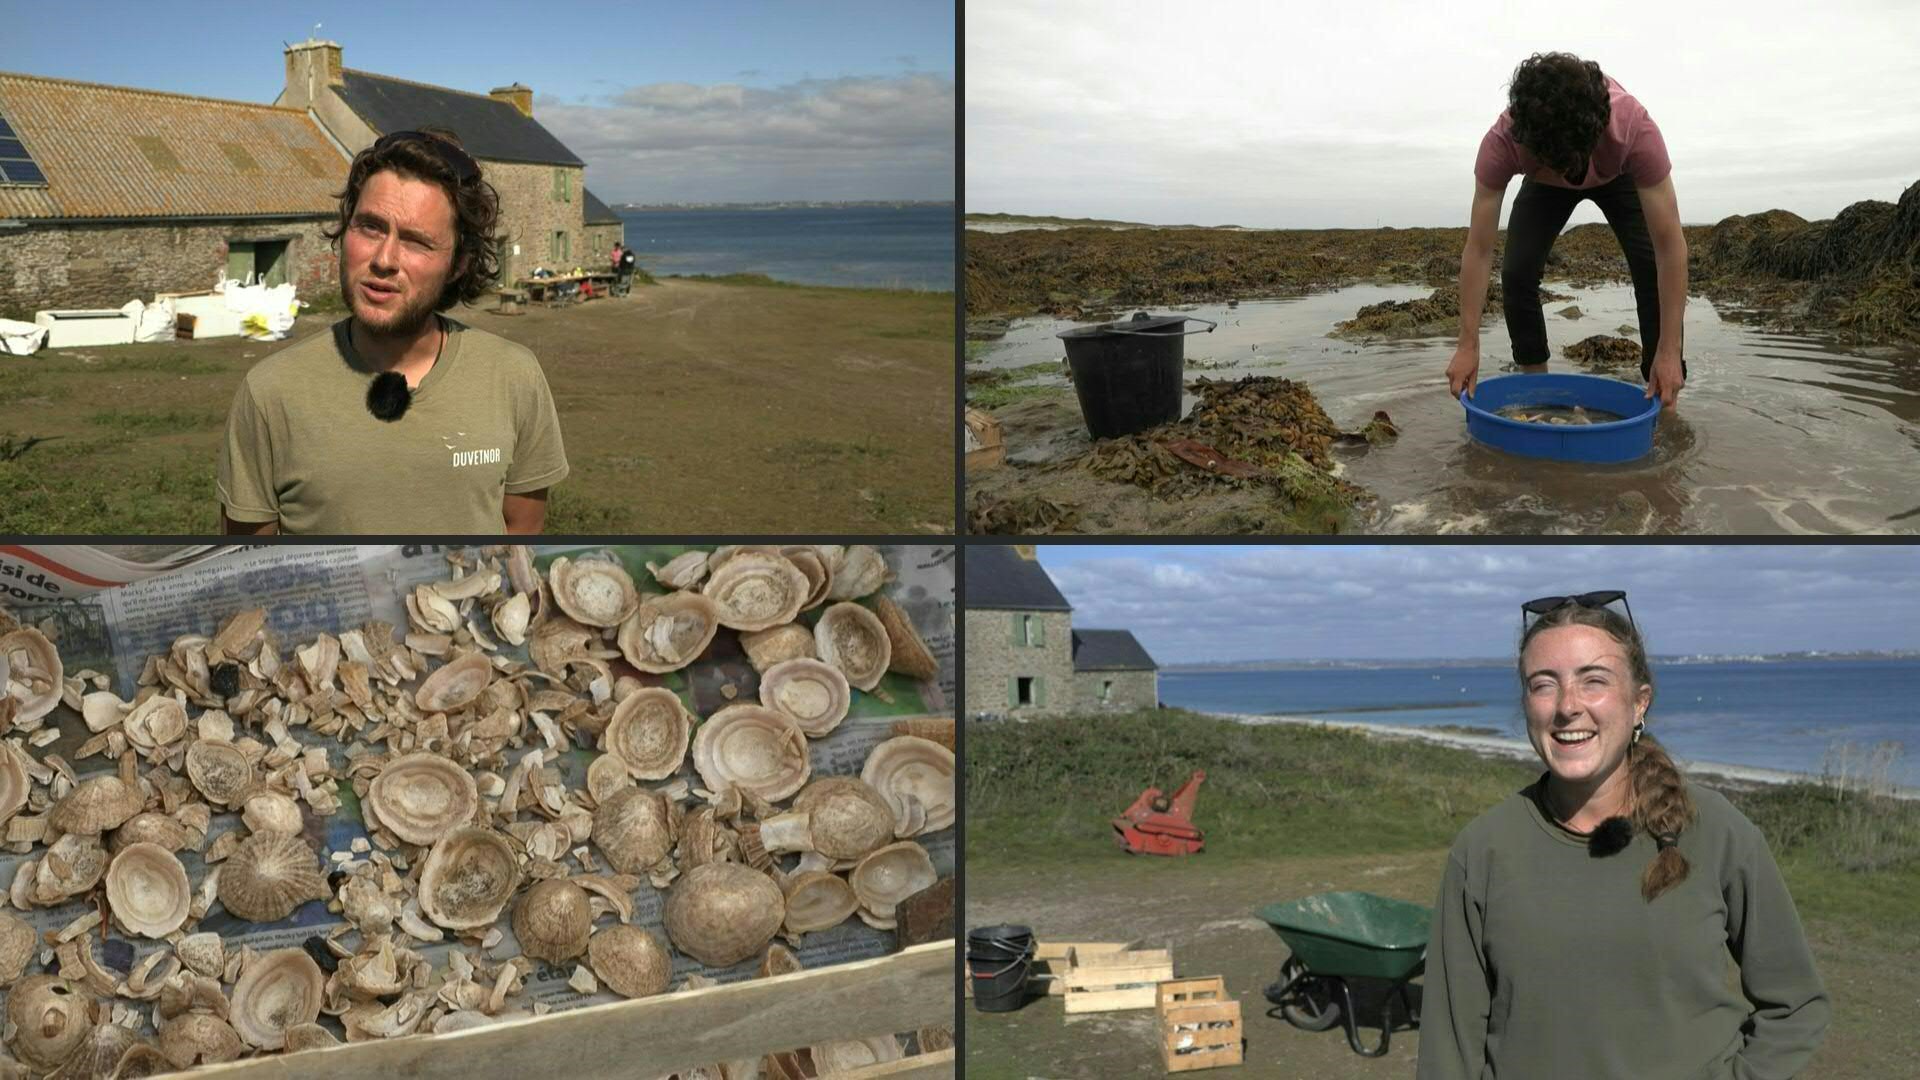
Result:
[1545,962]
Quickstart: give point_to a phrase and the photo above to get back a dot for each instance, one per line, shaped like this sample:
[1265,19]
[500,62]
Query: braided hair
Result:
[1662,808]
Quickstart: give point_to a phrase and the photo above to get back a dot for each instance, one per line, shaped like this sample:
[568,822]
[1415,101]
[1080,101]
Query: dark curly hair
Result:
[476,204]
[1559,105]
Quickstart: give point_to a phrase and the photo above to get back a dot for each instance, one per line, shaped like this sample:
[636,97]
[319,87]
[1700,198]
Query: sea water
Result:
[907,247]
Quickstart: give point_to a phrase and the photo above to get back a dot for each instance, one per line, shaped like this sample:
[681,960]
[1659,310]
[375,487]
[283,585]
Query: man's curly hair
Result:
[476,206]
[1559,105]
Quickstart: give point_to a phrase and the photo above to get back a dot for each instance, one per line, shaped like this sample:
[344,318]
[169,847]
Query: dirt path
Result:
[1204,911]
[689,407]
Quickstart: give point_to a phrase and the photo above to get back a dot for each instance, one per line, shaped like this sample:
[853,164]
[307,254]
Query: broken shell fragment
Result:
[271,811]
[156,722]
[553,920]
[511,618]
[915,777]
[455,684]
[278,990]
[910,654]
[419,796]
[634,830]
[851,638]
[788,641]
[14,785]
[199,1038]
[862,570]
[147,889]
[666,633]
[219,771]
[723,913]
[95,805]
[819,575]
[202,953]
[754,748]
[151,827]
[755,590]
[595,592]
[468,878]
[33,674]
[268,876]
[683,571]
[813,693]
[632,961]
[309,1037]
[649,733]
[888,876]
[49,1017]
[18,943]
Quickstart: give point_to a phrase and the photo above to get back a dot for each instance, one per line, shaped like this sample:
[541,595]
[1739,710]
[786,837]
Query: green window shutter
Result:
[1013,691]
[239,259]
[1039,691]
[1039,631]
[566,186]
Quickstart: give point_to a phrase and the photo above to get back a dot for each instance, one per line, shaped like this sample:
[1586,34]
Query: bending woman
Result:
[1586,926]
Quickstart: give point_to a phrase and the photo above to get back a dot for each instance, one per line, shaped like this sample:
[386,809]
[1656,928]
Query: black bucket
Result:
[998,959]
[1128,374]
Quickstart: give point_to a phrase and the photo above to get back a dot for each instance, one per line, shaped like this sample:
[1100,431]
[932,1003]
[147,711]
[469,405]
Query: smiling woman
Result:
[1611,871]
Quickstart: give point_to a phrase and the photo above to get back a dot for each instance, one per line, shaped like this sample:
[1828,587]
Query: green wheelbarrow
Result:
[1339,936]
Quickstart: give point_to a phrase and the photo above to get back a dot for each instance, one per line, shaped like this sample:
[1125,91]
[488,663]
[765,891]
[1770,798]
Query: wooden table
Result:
[565,288]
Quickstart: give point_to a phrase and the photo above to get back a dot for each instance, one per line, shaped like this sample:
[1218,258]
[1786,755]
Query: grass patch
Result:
[160,423]
[818,450]
[996,397]
[569,512]
[154,501]
[143,365]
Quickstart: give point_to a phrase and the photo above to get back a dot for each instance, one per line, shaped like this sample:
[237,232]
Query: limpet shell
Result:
[634,830]
[468,878]
[915,777]
[268,876]
[632,961]
[788,641]
[219,771]
[595,592]
[649,732]
[723,913]
[666,633]
[851,638]
[270,811]
[889,875]
[755,590]
[98,1054]
[49,1017]
[812,693]
[147,889]
[278,990]
[18,943]
[553,921]
[754,748]
[95,805]
[419,796]
[842,818]
[455,684]
[33,674]
[156,722]
[861,571]
[817,900]
[199,1038]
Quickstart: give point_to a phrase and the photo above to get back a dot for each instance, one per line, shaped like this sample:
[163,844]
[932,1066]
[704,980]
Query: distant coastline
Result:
[864,204]
[1487,662]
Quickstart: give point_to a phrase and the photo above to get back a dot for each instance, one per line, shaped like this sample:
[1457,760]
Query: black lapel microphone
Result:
[388,396]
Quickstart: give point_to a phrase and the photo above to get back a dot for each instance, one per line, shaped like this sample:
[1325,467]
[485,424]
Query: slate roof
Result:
[1109,650]
[489,128]
[998,578]
[122,152]
[595,211]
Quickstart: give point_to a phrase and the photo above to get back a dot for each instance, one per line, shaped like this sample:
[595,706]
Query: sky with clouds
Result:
[713,102]
[1369,112]
[1226,603]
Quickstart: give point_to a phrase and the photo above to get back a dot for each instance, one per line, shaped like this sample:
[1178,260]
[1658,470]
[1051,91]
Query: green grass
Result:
[156,500]
[1041,793]
[160,423]
[144,365]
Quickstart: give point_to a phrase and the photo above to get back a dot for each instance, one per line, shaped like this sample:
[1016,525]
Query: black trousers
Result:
[1540,211]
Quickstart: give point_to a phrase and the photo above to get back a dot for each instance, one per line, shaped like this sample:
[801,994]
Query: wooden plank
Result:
[1175,992]
[1094,978]
[1058,950]
[918,1067]
[654,1036]
[1124,958]
[1139,997]
[1212,1037]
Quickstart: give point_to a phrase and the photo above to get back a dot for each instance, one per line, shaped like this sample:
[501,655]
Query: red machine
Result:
[1158,825]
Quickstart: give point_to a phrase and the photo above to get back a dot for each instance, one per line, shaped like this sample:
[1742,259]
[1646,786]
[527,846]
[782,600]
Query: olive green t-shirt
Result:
[302,448]
[1545,961]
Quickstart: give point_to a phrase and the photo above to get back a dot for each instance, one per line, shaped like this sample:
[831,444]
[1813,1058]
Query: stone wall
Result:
[600,240]
[994,660]
[47,265]
[1131,690]
[529,216]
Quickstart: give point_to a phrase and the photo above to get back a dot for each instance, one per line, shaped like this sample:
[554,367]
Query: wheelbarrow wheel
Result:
[1305,1001]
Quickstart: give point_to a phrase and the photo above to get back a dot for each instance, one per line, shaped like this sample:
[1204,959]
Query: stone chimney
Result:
[1025,551]
[311,66]
[520,97]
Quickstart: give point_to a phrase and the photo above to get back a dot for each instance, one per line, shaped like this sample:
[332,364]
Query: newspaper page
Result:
[310,590]
[37,573]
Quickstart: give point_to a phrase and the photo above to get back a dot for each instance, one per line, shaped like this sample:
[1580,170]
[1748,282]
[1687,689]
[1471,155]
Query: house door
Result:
[262,261]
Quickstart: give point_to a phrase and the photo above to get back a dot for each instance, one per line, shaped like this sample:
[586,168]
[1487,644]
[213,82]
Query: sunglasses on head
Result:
[454,158]
[1533,609]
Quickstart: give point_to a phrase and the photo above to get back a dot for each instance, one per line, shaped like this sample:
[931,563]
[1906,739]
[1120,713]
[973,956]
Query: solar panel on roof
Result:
[21,172]
[6,132]
[12,148]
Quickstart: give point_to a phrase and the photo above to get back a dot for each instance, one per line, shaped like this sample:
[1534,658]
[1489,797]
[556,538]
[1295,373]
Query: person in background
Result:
[1572,133]
[625,269]
[1585,925]
[617,249]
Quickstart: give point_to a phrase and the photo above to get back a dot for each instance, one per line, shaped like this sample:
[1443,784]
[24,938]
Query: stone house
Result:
[1024,656]
[110,194]
[547,216]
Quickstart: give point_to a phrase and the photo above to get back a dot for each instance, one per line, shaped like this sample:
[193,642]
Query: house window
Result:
[562,186]
[1106,691]
[562,246]
[1023,690]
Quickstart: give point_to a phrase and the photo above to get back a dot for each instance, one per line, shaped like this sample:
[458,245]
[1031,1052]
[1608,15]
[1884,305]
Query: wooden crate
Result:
[1109,981]
[985,446]
[1199,1025]
[1050,959]
[660,1035]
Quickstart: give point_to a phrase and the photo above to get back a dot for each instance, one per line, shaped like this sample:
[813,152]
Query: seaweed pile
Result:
[1435,314]
[1605,354]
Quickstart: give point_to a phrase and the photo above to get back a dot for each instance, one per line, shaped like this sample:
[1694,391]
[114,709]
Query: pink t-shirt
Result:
[1630,144]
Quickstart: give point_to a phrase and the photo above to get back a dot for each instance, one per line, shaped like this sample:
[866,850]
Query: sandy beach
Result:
[1501,746]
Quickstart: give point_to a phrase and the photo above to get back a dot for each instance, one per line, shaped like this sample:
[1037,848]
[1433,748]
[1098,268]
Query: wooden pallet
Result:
[1199,1025]
[1110,981]
[1050,960]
